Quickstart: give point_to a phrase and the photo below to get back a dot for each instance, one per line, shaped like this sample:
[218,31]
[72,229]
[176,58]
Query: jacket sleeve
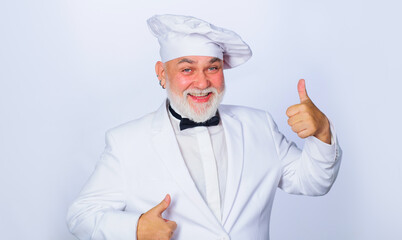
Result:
[98,212]
[311,171]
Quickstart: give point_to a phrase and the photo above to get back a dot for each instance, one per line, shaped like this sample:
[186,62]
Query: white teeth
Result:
[199,94]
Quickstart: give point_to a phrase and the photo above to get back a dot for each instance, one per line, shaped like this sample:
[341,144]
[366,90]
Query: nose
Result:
[201,81]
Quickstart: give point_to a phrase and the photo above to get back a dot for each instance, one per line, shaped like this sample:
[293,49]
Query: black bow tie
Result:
[187,123]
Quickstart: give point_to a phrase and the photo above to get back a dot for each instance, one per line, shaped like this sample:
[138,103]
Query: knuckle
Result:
[291,110]
[301,135]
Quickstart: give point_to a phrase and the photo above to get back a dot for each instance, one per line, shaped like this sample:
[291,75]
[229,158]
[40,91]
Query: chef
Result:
[197,169]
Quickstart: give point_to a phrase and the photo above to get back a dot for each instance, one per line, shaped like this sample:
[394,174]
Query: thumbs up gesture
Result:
[306,119]
[152,226]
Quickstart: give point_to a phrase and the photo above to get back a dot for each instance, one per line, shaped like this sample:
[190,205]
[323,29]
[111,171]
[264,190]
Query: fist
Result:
[151,225]
[306,119]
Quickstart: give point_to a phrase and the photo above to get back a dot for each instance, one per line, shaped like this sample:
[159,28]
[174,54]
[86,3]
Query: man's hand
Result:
[152,226]
[306,119]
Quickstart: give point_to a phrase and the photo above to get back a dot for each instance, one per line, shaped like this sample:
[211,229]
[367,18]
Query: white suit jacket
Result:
[142,163]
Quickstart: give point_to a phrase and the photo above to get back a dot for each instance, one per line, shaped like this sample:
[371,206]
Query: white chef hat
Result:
[180,36]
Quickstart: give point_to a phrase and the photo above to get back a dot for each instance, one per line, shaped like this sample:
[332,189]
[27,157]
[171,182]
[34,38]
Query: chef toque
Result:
[181,36]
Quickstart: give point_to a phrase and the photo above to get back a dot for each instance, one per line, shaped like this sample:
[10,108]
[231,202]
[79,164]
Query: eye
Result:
[186,70]
[212,68]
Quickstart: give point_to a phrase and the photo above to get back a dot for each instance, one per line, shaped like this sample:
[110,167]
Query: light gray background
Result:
[70,70]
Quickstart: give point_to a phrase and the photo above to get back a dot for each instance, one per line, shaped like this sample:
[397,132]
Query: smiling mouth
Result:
[200,97]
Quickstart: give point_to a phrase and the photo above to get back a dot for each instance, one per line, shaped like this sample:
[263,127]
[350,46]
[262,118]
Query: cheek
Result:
[179,84]
[218,82]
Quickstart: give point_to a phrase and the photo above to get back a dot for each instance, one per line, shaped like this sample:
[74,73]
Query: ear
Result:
[160,73]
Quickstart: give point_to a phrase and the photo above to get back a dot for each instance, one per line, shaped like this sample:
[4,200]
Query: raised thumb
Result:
[301,88]
[162,206]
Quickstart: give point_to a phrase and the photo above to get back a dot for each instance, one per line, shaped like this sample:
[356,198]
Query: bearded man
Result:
[216,167]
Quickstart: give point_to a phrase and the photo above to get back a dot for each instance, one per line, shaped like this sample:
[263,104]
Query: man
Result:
[215,167]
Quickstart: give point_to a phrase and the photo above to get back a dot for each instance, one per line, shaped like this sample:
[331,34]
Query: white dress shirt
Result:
[205,154]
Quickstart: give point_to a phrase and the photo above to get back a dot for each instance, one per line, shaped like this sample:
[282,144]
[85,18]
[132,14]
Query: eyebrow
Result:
[186,60]
[215,59]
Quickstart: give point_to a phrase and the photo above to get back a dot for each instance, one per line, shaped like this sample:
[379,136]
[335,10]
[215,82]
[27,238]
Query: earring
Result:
[160,83]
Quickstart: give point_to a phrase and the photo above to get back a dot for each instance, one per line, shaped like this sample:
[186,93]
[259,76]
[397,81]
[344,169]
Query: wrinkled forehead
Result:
[195,60]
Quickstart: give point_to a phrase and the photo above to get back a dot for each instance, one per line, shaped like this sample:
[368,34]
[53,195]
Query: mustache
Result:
[200,91]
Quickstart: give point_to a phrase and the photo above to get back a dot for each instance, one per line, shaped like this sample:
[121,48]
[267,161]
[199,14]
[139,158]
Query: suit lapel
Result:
[165,144]
[234,141]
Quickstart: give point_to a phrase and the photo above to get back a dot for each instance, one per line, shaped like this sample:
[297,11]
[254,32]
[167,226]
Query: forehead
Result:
[195,60]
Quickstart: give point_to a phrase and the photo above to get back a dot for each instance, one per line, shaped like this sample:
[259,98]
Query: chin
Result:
[201,112]
[197,112]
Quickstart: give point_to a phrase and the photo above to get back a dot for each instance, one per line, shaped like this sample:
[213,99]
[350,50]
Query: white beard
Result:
[201,112]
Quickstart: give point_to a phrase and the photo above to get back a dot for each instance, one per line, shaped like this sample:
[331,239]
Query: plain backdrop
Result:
[70,70]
